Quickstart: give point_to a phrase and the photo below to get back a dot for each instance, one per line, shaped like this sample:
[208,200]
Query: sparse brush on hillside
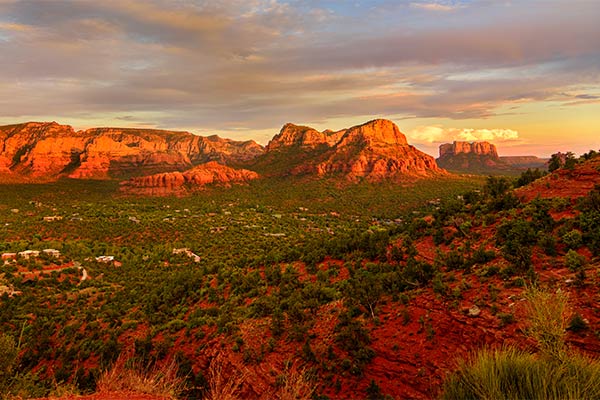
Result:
[123,376]
[511,373]
[223,384]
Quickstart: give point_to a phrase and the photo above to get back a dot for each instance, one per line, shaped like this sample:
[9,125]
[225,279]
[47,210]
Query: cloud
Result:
[433,6]
[255,64]
[439,134]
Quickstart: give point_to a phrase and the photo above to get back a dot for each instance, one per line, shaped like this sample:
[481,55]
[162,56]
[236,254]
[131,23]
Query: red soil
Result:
[569,184]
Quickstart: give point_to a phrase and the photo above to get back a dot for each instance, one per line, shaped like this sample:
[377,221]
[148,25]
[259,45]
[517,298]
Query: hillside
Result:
[46,151]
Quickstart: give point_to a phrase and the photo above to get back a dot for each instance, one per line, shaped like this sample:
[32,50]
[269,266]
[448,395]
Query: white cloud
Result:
[438,134]
[433,6]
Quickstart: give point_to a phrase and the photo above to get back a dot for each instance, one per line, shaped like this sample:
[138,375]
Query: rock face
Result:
[47,151]
[302,136]
[472,157]
[178,183]
[375,150]
[482,157]
[479,148]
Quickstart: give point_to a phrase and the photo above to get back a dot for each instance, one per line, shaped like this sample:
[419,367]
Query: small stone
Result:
[474,311]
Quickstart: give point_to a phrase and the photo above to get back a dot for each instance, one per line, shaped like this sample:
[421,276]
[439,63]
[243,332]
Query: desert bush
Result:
[572,239]
[574,261]
[8,360]
[528,176]
[510,373]
[547,317]
[547,242]
[577,323]
[514,374]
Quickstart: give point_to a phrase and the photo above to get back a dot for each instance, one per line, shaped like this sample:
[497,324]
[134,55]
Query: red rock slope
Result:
[375,150]
[179,183]
[46,151]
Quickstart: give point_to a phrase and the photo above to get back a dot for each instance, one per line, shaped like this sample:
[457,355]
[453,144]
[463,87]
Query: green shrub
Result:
[528,176]
[548,244]
[577,323]
[547,316]
[8,359]
[511,373]
[574,261]
[572,239]
[515,374]
[506,318]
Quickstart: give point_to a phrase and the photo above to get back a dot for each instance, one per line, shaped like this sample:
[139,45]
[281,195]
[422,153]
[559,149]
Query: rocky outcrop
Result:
[49,150]
[483,157]
[179,183]
[470,157]
[302,136]
[478,148]
[375,150]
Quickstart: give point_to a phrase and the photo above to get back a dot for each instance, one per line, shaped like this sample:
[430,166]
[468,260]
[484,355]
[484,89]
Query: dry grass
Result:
[295,384]
[224,385]
[510,373]
[547,314]
[160,381]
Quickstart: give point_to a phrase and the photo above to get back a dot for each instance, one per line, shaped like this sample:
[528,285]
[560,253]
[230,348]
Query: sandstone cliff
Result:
[472,157]
[48,150]
[479,148]
[179,183]
[303,137]
[375,150]
[483,157]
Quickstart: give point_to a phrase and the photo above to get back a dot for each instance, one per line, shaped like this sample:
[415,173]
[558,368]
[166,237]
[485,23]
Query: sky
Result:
[523,74]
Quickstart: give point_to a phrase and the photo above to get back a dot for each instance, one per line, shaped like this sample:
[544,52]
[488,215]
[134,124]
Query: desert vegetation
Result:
[301,289]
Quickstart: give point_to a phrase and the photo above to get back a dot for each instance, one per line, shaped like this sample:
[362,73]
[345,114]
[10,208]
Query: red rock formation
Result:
[375,150]
[474,156]
[302,136]
[178,183]
[481,148]
[49,150]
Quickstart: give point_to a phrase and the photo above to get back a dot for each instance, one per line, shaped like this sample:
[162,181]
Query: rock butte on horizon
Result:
[482,155]
[475,147]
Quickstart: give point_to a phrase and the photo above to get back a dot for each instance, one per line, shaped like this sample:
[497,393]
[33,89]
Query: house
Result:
[9,256]
[27,254]
[51,252]
[187,252]
[105,259]
[275,234]
[52,218]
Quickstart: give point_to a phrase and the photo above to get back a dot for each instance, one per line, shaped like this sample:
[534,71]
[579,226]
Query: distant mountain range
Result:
[45,151]
[151,161]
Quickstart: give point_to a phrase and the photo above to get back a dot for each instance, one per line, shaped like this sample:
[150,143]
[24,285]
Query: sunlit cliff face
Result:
[442,70]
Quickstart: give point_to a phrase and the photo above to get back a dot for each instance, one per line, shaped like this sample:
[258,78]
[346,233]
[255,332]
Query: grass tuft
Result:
[162,381]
